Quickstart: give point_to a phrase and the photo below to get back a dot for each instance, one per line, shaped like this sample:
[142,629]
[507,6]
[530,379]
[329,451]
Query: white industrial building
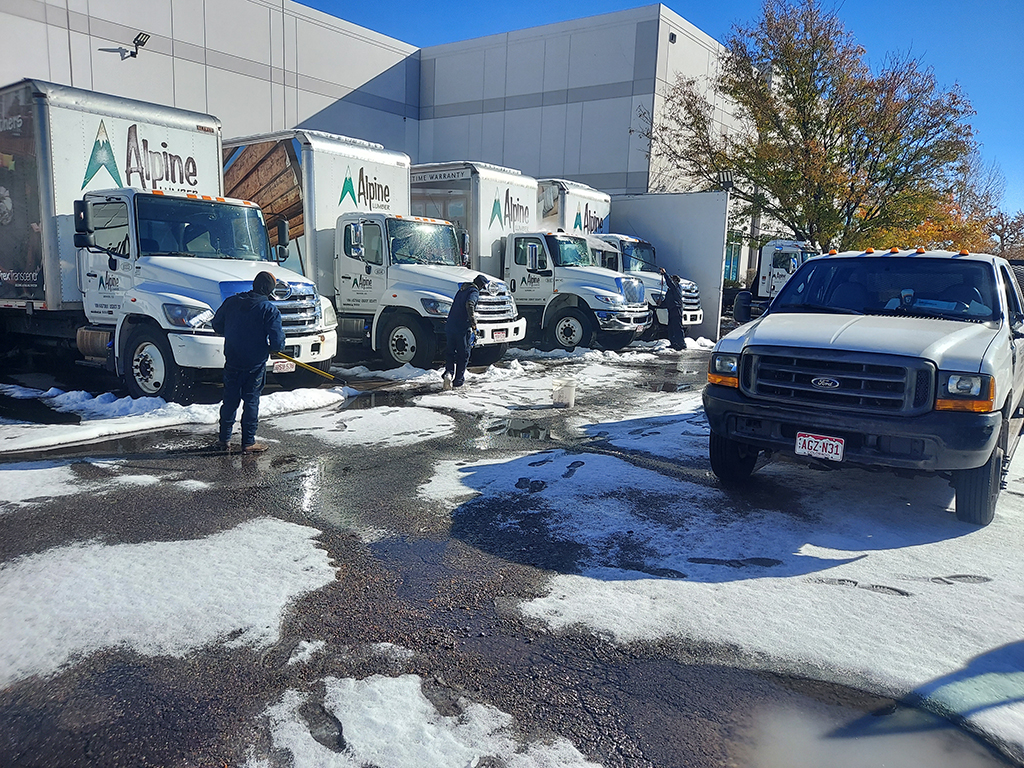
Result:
[560,100]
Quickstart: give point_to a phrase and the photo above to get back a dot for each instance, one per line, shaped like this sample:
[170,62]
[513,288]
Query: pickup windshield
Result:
[206,229]
[423,242]
[893,285]
[569,251]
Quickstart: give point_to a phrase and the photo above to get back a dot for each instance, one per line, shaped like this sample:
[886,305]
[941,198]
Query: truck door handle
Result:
[90,274]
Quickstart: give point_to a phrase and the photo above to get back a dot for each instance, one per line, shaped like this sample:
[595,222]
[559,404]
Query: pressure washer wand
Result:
[301,364]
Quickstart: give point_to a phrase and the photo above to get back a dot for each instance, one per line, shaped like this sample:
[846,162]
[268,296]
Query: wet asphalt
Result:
[442,582]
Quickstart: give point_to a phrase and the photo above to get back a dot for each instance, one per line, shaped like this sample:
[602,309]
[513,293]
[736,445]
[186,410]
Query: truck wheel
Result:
[150,370]
[569,329]
[300,378]
[977,490]
[487,356]
[406,339]
[731,461]
[615,340]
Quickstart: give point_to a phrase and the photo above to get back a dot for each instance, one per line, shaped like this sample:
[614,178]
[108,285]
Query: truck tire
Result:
[407,339]
[300,378]
[150,370]
[731,461]
[570,328]
[977,490]
[487,356]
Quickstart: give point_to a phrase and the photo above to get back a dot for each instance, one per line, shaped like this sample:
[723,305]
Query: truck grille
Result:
[633,290]
[495,305]
[691,299]
[838,380]
[299,306]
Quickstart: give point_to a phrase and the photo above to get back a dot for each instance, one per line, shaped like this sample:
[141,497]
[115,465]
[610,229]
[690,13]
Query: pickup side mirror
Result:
[741,307]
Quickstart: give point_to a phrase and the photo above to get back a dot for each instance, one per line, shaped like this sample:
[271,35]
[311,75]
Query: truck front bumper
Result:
[689,317]
[207,350]
[934,441]
[631,318]
[508,332]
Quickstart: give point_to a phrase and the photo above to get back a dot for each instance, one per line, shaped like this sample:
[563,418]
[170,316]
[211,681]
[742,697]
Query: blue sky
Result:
[976,44]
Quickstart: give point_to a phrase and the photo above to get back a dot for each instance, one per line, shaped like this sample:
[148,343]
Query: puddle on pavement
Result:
[378,398]
[903,736]
[664,386]
[33,411]
[524,428]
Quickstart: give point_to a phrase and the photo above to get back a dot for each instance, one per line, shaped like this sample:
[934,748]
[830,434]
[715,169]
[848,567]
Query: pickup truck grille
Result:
[633,290]
[299,306]
[495,306]
[826,380]
[691,299]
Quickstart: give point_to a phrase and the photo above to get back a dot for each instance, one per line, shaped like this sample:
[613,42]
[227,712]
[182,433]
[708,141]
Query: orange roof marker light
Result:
[920,249]
[833,252]
[894,249]
[869,250]
[964,252]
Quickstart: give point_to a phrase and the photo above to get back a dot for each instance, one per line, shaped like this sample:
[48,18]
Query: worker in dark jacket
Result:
[673,302]
[459,330]
[251,327]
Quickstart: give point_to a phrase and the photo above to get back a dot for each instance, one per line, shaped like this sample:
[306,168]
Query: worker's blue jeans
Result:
[242,387]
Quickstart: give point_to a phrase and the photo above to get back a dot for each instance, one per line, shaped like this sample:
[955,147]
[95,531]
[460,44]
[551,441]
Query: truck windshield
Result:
[569,251]
[882,285]
[423,242]
[639,257]
[172,226]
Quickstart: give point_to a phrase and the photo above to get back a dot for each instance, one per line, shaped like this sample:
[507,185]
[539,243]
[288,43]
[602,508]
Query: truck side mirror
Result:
[741,307]
[532,257]
[283,238]
[463,237]
[356,240]
[84,239]
[83,219]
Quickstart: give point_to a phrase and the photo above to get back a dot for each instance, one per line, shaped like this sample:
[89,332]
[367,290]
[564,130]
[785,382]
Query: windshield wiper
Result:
[819,308]
[169,253]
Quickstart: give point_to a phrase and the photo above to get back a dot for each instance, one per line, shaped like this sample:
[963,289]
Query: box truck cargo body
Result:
[139,187]
[572,207]
[567,299]
[390,275]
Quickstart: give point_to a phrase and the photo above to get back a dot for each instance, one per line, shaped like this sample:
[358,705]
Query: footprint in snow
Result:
[533,486]
[960,578]
[881,588]
[763,562]
[572,469]
[539,463]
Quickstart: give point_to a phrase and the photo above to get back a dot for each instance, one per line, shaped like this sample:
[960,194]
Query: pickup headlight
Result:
[184,316]
[724,369]
[436,307]
[974,392]
[610,299]
[329,315]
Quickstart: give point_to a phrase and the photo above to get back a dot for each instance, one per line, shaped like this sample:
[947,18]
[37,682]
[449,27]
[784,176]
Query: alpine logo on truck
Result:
[514,215]
[147,168]
[371,195]
[587,220]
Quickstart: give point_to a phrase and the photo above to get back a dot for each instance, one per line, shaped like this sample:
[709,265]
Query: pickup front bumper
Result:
[934,441]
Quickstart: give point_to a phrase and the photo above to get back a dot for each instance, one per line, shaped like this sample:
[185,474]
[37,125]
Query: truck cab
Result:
[636,258]
[567,297]
[395,279]
[776,262]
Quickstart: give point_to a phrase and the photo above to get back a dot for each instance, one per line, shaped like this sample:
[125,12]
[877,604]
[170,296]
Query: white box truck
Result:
[637,258]
[572,207]
[392,276]
[568,300]
[116,241]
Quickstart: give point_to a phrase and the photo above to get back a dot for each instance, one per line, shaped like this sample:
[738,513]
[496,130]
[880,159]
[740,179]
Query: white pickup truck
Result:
[908,360]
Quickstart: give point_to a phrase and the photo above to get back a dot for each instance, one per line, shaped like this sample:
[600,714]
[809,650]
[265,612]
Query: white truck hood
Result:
[209,281]
[951,345]
[439,279]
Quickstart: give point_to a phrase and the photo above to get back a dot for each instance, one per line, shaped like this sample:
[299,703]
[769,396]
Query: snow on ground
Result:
[105,416]
[388,721]
[158,598]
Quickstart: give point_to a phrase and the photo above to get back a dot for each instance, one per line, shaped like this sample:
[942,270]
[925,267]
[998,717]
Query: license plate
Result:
[819,446]
[500,335]
[283,366]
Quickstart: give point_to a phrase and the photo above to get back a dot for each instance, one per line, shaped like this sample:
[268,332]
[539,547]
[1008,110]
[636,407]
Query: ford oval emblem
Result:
[823,383]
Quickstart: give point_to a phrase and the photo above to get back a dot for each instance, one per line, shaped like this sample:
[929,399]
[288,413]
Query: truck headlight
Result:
[974,392]
[436,307]
[610,298]
[184,316]
[329,315]
[724,369]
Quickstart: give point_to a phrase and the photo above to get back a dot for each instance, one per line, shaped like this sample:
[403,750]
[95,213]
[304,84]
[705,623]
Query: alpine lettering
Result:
[154,167]
[369,192]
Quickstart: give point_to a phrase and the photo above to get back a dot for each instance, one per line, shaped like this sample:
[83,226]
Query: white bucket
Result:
[564,393]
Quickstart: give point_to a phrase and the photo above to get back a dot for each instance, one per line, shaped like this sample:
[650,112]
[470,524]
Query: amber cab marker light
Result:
[920,249]
[894,249]
[964,252]
[869,250]
[833,252]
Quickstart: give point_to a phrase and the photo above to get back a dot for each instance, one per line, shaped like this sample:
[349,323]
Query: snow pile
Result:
[387,721]
[158,598]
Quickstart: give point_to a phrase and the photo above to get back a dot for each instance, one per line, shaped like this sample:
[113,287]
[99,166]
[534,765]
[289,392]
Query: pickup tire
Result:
[150,370]
[407,339]
[570,328]
[487,356]
[977,490]
[731,461]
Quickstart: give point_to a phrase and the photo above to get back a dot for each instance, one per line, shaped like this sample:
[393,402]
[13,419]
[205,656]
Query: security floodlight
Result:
[140,41]
[725,180]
